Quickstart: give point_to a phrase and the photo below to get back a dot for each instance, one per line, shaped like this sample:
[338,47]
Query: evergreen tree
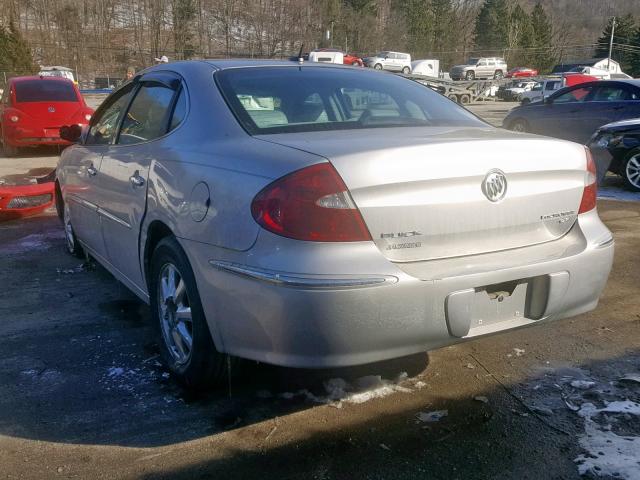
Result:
[419,24]
[520,38]
[492,26]
[15,54]
[543,57]
[624,34]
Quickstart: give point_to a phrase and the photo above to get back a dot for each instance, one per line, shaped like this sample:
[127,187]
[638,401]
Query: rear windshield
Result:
[292,99]
[45,91]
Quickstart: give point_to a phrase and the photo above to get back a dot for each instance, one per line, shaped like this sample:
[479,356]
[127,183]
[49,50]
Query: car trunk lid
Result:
[50,114]
[420,191]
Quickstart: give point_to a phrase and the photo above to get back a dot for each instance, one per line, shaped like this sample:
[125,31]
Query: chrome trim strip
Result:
[82,201]
[294,280]
[110,216]
[604,243]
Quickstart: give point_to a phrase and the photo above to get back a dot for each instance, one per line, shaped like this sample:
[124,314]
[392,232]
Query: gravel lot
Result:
[82,394]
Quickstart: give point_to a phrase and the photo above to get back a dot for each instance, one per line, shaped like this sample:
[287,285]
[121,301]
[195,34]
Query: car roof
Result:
[36,77]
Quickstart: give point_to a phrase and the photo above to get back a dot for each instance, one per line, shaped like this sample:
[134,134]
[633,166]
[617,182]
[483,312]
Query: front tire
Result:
[406,70]
[631,170]
[520,125]
[9,150]
[498,75]
[185,342]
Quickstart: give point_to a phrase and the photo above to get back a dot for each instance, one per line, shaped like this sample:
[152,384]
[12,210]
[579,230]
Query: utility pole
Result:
[613,28]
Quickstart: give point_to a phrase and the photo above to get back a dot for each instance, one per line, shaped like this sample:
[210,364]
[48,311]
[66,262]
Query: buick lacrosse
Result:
[316,215]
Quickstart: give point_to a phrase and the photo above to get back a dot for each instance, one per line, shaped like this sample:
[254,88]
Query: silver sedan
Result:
[315,215]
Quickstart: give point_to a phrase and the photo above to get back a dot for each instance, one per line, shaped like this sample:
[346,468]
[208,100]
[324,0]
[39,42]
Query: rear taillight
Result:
[590,192]
[14,118]
[310,204]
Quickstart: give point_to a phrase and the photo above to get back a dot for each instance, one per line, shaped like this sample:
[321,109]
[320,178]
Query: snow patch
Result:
[430,417]
[582,384]
[609,454]
[362,390]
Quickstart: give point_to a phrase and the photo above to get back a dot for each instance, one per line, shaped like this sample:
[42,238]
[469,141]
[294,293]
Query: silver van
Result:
[393,61]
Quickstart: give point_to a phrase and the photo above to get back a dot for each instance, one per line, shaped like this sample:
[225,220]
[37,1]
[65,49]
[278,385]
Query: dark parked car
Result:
[574,113]
[616,148]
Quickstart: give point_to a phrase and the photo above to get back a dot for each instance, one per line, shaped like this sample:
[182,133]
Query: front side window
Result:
[104,124]
[284,99]
[148,116]
[45,91]
[572,96]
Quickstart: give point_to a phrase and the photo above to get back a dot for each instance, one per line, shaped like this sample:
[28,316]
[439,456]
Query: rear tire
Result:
[72,243]
[498,75]
[630,170]
[183,335]
[453,97]
[465,99]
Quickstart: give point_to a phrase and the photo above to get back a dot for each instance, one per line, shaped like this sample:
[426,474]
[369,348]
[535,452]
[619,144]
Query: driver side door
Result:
[562,115]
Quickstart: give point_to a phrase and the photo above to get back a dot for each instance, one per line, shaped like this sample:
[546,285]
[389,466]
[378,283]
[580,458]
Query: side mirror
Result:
[71,133]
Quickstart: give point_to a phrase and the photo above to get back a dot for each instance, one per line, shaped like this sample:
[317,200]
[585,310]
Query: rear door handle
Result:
[136,180]
[92,171]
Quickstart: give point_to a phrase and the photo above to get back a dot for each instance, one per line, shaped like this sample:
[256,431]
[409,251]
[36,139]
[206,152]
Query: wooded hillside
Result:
[106,37]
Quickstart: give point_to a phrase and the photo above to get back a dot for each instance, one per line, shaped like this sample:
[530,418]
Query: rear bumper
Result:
[24,200]
[31,137]
[318,320]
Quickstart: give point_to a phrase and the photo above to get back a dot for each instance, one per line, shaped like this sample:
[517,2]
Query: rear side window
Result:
[179,110]
[44,91]
[148,116]
[612,94]
[287,99]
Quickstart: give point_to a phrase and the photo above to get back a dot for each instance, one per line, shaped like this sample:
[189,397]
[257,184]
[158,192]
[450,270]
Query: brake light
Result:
[590,191]
[310,204]
[14,118]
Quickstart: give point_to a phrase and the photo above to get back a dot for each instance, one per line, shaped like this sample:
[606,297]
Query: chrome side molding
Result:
[302,281]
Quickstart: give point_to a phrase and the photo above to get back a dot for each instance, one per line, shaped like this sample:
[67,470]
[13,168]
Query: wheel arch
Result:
[156,231]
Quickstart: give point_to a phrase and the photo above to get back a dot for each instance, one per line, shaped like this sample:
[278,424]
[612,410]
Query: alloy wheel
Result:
[175,314]
[68,230]
[632,171]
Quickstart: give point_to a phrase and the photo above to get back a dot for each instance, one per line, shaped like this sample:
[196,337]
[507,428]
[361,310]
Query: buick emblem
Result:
[51,109]
[494,185]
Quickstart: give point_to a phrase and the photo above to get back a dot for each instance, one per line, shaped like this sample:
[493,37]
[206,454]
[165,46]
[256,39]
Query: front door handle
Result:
[92,171]
[136,180]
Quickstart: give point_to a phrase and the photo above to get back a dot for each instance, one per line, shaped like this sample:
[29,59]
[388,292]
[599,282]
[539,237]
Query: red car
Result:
[34,108]
[26,196]
[522,72]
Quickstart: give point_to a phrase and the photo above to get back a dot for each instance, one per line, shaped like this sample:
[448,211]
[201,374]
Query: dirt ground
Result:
[82,394]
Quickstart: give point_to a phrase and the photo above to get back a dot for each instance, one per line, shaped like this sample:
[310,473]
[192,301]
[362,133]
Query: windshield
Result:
[472,61]
[284,100]
[45,91]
